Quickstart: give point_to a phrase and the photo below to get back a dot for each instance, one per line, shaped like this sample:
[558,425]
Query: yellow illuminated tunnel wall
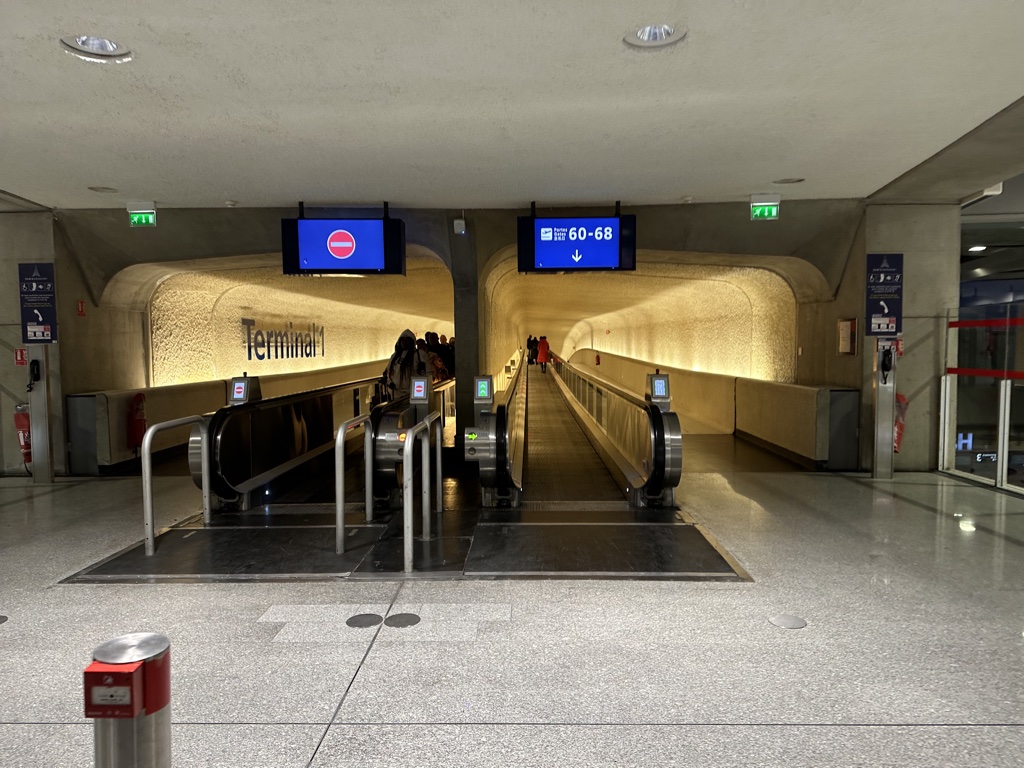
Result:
[216,324]
[737,321]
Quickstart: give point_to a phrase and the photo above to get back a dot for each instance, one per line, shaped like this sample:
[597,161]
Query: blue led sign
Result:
[325,246]
[576,243]
[341,244]
[579,243]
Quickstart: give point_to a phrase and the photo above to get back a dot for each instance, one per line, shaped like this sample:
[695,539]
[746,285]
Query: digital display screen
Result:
[342,246]
[483,391]
[238,390]
[419,389]
[660,386]
[577,244]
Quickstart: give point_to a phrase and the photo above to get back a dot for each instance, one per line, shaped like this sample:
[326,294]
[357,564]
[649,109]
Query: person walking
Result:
[543,353]
[403,365]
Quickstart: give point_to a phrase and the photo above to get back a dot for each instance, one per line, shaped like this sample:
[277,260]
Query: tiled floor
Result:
[913,654]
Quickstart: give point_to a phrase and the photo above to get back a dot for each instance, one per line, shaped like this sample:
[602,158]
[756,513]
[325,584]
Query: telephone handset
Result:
[34,374]
[886,365]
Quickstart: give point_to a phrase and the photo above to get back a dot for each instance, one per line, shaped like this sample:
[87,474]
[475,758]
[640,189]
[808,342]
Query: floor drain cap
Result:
[363,620]
[3,619]
[402,620]
[787,621]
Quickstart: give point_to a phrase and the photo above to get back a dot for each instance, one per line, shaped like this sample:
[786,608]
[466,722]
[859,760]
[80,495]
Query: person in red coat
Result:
[543,354]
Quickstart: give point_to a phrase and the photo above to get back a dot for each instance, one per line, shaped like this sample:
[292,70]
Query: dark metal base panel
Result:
[581,517]
[437,558]
[236,553]
[644,551]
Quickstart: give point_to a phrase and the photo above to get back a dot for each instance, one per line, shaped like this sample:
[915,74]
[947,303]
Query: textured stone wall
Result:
[736,321]
[197,333]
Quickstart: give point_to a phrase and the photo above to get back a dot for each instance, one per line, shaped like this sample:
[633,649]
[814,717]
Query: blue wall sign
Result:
[884,314]
[38,303]
[580,243]
[341,244]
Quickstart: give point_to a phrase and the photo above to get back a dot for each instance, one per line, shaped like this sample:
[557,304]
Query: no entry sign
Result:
[341,244]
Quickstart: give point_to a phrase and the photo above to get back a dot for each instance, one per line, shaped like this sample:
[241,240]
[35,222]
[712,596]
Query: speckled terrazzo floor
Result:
[913,653]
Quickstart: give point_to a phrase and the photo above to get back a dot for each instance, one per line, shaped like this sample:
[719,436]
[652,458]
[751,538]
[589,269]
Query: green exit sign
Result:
[764,211]
[142,219]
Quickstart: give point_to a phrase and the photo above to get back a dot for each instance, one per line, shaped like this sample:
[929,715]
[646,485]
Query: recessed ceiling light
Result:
[655,36]
[977,248]
[230,203]
[789,180]
[98,50]
[104,190]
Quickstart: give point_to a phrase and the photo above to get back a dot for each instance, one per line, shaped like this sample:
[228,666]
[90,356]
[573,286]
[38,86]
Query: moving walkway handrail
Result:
[626,394]
[147,472]
[511,432]
[661,466]
[339,475]
[253,479]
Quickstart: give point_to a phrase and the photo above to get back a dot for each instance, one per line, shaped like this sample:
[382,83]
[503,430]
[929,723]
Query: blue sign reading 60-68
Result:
[580,243]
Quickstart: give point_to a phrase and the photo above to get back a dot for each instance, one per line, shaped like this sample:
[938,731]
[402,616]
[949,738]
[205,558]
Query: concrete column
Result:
[465,277]
[928,236]
[27,238]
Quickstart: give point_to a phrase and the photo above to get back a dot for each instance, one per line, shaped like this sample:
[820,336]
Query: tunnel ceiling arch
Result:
[679,310]
[213,319]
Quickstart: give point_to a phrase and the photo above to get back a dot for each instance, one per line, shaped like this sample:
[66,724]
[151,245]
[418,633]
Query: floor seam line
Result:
[352,682]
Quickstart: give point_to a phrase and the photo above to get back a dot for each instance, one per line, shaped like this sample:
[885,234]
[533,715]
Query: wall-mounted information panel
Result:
[577,244]
[343,246]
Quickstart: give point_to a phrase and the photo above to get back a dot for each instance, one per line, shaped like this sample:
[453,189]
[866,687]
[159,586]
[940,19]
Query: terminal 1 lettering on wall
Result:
[282,343]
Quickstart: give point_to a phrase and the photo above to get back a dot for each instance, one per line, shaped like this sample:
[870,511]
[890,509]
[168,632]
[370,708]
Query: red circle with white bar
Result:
[341,244]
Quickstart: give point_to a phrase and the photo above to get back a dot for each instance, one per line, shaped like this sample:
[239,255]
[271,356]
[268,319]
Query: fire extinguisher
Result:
[597,359]
[23,426]
[137,422]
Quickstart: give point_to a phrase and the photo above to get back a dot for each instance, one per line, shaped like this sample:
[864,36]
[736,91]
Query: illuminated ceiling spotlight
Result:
[977,248]
[655,36]
[96,50]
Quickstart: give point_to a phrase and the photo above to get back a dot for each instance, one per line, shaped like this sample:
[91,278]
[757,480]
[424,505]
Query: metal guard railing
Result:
[640,432]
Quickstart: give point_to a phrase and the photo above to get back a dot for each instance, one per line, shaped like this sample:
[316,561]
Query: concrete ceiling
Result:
[450,104]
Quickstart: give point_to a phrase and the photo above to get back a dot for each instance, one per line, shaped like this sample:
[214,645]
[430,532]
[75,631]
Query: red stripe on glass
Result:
[1002,323]
[989,373]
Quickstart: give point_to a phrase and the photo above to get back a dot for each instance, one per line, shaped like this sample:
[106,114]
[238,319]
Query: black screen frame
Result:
[394,250]
[528,254]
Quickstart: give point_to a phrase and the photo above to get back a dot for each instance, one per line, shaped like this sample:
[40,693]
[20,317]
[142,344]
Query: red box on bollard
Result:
[113,690]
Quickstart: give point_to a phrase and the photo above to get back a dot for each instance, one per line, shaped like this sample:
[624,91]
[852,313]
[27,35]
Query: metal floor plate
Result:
[632,551]
[216,554]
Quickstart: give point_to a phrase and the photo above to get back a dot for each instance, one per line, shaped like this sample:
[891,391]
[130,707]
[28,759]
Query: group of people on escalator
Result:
[538,352]
[431,355]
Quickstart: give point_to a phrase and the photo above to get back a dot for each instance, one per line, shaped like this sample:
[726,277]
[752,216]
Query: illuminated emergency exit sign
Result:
[764,211]
[142,219]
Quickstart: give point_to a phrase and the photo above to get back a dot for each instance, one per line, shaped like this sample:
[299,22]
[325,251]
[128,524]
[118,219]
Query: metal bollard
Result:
[128,692]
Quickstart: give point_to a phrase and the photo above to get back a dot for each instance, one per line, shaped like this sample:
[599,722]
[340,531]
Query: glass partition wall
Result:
[983,396]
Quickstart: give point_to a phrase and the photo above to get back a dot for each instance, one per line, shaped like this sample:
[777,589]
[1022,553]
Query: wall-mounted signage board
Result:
[577,244]
[343,246]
